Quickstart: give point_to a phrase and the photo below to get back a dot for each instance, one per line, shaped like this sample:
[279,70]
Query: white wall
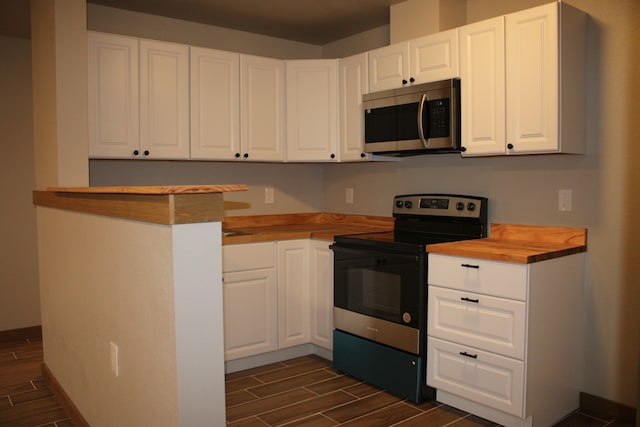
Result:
[19,293]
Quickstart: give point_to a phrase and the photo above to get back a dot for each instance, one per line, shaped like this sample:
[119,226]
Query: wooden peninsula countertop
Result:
[518,243]
[171,204]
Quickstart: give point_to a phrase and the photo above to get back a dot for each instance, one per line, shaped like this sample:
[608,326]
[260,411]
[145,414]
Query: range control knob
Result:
[399,204]
[408,204]
[459,206]
[471,206]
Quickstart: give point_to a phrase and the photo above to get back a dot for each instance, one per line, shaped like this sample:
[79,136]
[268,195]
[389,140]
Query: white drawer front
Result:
[502,279]
[482,321]
[486,378]
[248,256]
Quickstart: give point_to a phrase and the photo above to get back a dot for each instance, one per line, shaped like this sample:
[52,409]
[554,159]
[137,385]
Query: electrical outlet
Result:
[115,358]
[564,200]
[348,198]
[269,196]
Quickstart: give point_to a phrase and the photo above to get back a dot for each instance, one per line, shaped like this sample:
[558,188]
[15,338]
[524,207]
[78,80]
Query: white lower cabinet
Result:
[504,339]
[293,293]
[277,295]
[250,299]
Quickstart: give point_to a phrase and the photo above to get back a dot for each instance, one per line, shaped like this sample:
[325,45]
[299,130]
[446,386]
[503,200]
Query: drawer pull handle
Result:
[464,353]
[469,266]
[470,299]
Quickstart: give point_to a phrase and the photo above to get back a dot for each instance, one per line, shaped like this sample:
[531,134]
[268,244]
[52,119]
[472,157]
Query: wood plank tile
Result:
[20,387]
[440,416]
[361,407]
[267,404]
[6,357]
[241,384]
[290,383]
[316,420]
[290,371]
[306,408]
[5,402]
[248,422]
[578,419]
[36,418]
[386,416]
[28,413]
[31,395]
[362,390]
[238,397]
[473,421]
[337,383]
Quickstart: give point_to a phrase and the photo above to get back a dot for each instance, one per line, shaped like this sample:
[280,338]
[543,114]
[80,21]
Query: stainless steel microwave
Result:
[413,120]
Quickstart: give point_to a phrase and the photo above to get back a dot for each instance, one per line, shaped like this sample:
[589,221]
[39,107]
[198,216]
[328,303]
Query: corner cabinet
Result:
[425,59]
[528,69]
[138,98]
[504,339]
[250,299]
[293,293]
[312,110]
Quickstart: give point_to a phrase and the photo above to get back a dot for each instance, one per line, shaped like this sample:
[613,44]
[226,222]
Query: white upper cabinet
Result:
[114,125]
[425,59]
[482,68]
[312,110]
[261,108]
[215,98]
[164,100]
[523,82]
[546,80]
[354,82]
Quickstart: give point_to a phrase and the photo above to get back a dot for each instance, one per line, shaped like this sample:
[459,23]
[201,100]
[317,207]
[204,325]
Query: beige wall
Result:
[605,187]
[19,293]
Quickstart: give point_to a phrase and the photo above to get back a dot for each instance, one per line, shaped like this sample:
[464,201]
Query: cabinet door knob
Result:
[136,152]
[237,155]
[412,80]
[510,146]
[463,149]
[363,155]
[246,155]
[146,152]
[404,82]
[333,156]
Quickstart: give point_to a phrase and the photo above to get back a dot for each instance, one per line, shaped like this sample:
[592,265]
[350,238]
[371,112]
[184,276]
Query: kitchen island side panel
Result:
[109,282]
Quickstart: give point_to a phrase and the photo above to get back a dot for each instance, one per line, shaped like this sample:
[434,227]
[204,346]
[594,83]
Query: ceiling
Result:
[309,21]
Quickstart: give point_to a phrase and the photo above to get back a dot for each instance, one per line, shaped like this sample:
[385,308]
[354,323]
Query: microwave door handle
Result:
[423,100]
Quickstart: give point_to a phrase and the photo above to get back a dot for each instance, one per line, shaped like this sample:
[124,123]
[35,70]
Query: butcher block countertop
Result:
[324,226]
[523,244]
[171,204]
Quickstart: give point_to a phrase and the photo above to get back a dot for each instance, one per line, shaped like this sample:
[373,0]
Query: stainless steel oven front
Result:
[377,295]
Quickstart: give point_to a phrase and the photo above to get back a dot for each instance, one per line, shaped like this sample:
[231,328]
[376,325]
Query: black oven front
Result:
[377,294]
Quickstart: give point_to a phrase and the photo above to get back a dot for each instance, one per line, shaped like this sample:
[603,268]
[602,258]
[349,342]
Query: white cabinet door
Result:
[434,57]
[321,276]
[114,130]
[250,299]
[482,62]
[532,79]
[388,67]
[354,82]
[164,100]
[293,293]
[312,110]
[250,314]
[484,377]
[261,109]
[215,98]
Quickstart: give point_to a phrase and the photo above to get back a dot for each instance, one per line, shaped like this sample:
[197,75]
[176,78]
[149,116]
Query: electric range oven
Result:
[380,290]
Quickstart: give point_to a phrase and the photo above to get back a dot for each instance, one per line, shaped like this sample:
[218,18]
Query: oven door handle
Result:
[375,252]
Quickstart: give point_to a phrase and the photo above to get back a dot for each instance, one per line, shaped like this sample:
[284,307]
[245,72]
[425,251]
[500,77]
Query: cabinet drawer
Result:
[483,377]
[249,256]
[496,278]
[482,321]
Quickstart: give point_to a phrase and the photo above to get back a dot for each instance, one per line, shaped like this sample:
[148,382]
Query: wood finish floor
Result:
[305,391]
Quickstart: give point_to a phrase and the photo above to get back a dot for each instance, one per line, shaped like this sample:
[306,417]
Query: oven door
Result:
[380,295]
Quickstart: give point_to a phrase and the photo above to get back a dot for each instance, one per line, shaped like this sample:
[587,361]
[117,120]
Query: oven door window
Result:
[378,284]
